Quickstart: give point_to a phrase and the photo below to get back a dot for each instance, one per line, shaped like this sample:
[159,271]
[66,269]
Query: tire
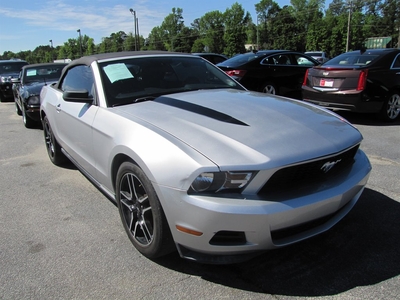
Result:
[269,88]
[17,109]
[391,107]
[53,148]
[141,213]
[28,122]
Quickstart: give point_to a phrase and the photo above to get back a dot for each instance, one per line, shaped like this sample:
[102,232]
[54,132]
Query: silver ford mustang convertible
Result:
[195,162]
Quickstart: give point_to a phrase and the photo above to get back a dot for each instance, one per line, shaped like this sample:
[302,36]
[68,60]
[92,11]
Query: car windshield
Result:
[143,78]
[353,59]
[11,67]
[42,74]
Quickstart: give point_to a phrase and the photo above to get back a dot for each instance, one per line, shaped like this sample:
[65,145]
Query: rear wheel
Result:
[141,212]
[52,146]
[269,88]
[391,107]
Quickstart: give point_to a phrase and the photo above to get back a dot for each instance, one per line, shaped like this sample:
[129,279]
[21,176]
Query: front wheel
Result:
[391,107]
[141,212]
[52,146]
[17,109]
[28,122]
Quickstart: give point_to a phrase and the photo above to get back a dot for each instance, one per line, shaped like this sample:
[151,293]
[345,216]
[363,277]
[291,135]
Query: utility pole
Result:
[136,28]
[398,41]
[348,26]
[80,42]
[51,48]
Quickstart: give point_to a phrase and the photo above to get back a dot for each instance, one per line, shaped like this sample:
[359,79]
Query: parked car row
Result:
[365,81]
[27,87]
[278,72]
[22,82]
[195,162]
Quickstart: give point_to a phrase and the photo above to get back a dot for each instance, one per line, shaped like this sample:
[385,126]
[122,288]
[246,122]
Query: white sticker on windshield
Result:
[117,72]
[31,72]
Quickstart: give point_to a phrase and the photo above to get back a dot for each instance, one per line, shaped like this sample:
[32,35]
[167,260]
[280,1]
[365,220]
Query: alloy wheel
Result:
[49,139]
[393,107]
[136,209]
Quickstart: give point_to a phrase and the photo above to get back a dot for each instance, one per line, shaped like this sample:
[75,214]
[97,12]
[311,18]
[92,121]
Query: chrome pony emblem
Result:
[325,73]
[329,165]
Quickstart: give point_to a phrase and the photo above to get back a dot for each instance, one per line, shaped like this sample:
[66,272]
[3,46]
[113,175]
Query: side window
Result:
[269,61]
[396,63]
[79,78]
[302,60]
[281,59]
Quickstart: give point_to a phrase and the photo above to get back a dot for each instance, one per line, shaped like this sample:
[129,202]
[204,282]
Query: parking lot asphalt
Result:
[62,239]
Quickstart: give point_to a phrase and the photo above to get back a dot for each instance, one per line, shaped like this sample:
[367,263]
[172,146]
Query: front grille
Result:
[309,175]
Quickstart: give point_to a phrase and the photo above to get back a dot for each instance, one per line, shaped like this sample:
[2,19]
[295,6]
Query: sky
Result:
[27,24]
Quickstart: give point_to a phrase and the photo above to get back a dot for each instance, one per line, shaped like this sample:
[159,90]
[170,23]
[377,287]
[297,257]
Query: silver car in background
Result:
[195,162]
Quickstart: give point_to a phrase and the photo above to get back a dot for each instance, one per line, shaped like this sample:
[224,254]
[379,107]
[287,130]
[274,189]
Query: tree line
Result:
[305,25]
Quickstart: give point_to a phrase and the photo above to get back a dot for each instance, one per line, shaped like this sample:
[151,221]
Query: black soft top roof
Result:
[43,65]
[87,60]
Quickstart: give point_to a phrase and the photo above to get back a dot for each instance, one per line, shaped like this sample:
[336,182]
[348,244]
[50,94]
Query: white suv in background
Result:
[318,55]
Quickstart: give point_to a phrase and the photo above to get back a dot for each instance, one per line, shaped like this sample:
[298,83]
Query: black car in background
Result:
[214,58]
[278,72]
[27,87]
[365,81]
[9,69]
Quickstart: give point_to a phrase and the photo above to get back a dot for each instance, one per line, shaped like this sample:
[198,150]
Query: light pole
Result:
[258,36]
[136,28]
[80,42]
[51,48]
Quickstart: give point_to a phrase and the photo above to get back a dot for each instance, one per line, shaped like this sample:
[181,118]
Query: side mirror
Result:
[80,96]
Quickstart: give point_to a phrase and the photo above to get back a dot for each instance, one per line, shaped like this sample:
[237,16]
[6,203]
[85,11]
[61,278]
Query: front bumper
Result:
[235,229]
[33,112]
[6,91]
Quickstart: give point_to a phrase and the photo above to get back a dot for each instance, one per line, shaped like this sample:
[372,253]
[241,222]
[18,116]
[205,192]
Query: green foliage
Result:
[236,22]
[304,25]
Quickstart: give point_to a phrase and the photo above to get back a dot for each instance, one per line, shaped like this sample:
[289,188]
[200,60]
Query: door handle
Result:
[58,107]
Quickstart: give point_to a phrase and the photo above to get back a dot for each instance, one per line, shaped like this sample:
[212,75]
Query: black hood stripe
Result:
[201,110]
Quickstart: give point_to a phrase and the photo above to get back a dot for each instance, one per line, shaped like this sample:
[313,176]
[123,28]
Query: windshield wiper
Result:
[142,99]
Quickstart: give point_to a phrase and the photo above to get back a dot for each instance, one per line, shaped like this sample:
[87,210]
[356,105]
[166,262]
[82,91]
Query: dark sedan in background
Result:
[27,89]
[9,69]
[279,72]
[366,81]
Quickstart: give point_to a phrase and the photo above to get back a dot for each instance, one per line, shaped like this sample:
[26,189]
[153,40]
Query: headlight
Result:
[33,100]
[218,181]
[5,79]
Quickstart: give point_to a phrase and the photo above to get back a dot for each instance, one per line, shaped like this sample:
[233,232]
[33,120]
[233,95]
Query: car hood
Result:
[35,87]
[236,128]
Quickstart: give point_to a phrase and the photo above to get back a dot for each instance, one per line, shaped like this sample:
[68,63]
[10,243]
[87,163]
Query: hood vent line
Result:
[198,109]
